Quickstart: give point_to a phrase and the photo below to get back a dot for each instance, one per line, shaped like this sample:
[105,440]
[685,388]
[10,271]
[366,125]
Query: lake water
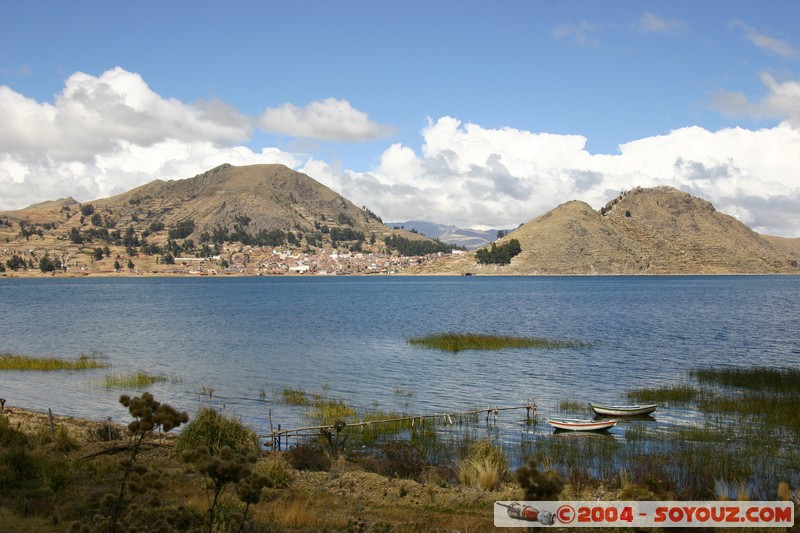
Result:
[248,338]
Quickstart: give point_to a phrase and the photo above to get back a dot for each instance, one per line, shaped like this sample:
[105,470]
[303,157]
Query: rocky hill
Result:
[644,231]
[256,198]
[237,216]
[227,207]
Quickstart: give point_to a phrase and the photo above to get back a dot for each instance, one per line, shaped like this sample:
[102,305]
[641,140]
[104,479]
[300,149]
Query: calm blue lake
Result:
[248,338]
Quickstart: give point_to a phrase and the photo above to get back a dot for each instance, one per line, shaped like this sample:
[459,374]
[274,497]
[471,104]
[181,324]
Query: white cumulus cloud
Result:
[329,119]
[106,134]
[469,176]
[781,101]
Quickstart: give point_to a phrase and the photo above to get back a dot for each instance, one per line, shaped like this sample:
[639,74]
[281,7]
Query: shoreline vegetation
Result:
[137,380]
[456,342]
[26,362]
[738,439]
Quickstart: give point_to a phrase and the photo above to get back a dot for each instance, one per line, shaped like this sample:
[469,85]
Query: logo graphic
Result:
[525,512]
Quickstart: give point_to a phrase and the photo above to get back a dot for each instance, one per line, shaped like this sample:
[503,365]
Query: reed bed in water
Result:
[754,378]
[743,431]
[139,380]
[456,342]
[293,396]
[669,393]
[724,436]
[25,362]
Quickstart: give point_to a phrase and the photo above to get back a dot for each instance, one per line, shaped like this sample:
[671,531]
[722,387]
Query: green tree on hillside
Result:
[16,262]
[499,255]
[183,229]
[75,236]
[46,264]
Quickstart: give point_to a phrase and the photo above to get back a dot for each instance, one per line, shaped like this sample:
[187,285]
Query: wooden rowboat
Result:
[571,424]
[623,410]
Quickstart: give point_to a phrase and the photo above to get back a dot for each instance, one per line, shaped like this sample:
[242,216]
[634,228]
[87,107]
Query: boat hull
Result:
[582,425]
[623,410]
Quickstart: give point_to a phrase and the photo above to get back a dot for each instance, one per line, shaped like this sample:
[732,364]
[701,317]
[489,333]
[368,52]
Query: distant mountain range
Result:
[470,239]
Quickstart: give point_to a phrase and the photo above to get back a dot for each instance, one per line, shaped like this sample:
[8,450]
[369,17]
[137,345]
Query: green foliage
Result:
[46,264]
[293,396]
[753,378]
[26,230]
[10,437]
[327,411]
[24,362]
[75,236]
[499,255]
[16,262]
[276,469]
[402,459]
[148,415]
[346,234]
[455,342]
[309,456]
[572,406]
[30,474]
[105,433]
[227,467]
[87,209]
[539,486]
[182,229]
[130,239]
[273,237]
[485,466]
[138,380]
[669,393]
[62,441]
[215,431]
[407,247]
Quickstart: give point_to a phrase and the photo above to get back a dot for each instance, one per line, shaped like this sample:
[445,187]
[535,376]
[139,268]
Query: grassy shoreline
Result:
[740,441]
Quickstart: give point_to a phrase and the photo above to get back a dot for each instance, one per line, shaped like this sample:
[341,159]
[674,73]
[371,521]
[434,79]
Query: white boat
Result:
[623,410]
[571,424]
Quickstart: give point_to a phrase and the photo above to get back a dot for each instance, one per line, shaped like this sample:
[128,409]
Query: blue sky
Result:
[470,113]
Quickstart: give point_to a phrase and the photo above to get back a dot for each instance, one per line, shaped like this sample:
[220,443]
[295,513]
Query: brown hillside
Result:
[644,231]
[214,214]
[270,196]
[573,239]
[786,246]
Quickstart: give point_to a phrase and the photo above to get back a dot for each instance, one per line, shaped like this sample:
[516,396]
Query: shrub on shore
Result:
[215,431]
[485,466]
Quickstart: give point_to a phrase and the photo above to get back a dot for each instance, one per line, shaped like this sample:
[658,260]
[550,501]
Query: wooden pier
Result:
[277,436]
